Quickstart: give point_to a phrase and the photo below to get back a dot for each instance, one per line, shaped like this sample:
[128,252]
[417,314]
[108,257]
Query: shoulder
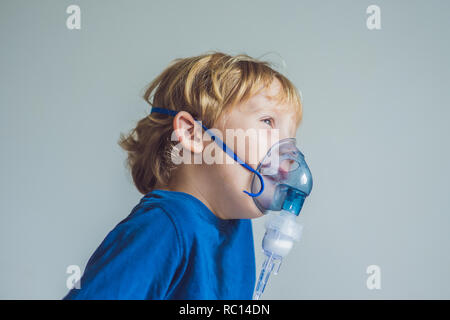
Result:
[147,222]
[178,206]
[145,228]
[144,217]
[141,254]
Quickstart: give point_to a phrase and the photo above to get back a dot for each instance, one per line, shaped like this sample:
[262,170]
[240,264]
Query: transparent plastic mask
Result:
[287,178]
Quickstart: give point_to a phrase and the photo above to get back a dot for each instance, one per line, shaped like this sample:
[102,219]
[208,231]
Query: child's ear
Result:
[188,132]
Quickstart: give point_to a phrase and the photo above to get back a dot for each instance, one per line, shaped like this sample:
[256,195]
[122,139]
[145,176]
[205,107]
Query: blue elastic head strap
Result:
[221,144]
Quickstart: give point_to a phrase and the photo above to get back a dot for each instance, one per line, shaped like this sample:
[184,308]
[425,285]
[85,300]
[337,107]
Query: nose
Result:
[284,168]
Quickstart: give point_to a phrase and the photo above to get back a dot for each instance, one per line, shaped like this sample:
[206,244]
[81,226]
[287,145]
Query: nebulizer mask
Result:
[280,184]
[287,182]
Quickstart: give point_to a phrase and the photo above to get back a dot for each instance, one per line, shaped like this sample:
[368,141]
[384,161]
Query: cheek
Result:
[236,177]
[233,179]
[257,149]
[265,140]
[252,149]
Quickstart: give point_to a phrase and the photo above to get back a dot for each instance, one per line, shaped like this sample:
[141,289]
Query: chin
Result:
[257,215]
[253,213]
[246,209]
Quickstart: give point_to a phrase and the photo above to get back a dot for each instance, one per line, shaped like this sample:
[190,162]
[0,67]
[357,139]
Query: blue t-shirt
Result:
[171,246]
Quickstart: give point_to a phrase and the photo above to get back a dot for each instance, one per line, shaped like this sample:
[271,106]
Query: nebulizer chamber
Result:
[287,182]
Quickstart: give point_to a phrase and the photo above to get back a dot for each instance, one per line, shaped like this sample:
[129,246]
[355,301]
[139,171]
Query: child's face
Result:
[269,121]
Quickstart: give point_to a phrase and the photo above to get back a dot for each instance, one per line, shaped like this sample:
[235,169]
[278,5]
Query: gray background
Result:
[375,133]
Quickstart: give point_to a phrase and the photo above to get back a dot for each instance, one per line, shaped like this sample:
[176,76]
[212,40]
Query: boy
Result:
[190,236]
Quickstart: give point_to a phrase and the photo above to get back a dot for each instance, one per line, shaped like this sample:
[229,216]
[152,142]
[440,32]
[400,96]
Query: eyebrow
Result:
[259,105]
[273,108]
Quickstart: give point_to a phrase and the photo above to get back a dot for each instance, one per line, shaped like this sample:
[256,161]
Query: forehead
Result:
[266,99]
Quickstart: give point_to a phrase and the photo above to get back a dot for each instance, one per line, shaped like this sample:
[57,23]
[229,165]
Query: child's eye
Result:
[269,121]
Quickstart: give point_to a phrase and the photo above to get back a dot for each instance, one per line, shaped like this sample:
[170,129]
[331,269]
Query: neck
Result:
[191,182]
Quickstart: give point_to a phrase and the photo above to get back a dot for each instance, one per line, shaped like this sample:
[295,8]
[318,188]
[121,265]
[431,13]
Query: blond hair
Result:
[206,86]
